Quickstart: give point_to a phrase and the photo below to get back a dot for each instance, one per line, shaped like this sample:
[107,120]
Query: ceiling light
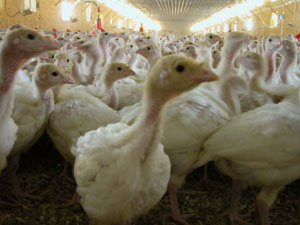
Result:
[235,26]
[131,12]
[249,24]
[236,10]
[274,20]
[119,23]
[66,11]
[225,28]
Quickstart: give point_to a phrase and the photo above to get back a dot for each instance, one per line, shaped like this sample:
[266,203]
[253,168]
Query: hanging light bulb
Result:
[66,11]
[274,20]
[235,26]
[88,13]
[225,28]
[119,23]
[249,24]
[111,20]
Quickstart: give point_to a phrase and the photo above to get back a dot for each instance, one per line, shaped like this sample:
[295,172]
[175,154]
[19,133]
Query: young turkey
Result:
[122,171]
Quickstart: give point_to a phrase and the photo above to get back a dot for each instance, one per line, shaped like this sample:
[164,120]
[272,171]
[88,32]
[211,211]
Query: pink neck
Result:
[104,52]
[9,65]
[287,65]
[152,109]
[271,59]
[153,60]
[226,63]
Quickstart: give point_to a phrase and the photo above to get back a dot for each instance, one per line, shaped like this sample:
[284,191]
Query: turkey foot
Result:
[16,190]
[176,214]
[64,173]
[233,211]
[74,201]
[234,218]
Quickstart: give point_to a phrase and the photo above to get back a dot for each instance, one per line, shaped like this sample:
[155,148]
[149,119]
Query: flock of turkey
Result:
[135,114]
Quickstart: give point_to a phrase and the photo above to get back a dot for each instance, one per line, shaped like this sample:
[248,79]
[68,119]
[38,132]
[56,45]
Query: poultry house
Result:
[139,112]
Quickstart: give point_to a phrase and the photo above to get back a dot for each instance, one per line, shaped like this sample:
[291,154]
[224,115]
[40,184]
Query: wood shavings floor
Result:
[39,174]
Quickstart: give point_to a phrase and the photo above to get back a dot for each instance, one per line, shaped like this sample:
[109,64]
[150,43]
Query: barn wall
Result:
[48,16]
[261,21]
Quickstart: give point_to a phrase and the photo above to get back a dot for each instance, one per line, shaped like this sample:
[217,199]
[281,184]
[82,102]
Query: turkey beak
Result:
[139,51]
[131,72]
[50,44]
[68,79]
[204,75]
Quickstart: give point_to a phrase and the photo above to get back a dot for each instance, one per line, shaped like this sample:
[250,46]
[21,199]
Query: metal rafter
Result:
[187,11]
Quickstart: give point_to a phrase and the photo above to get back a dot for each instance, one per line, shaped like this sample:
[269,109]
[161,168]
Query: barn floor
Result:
[38,174]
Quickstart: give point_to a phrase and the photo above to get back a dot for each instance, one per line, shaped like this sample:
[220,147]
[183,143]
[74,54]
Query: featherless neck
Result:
[227,60]
[147,127]
[42,91]
[105,57]
[287,65]
[153,60]
[208,59]
[10,62]
[105,85]
[271,60]
[229,96]
[152,109]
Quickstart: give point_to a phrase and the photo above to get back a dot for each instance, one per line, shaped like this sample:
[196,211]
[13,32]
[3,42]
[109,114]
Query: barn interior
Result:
[244,112]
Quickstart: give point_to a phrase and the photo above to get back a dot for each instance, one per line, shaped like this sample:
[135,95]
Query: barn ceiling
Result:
[183,12]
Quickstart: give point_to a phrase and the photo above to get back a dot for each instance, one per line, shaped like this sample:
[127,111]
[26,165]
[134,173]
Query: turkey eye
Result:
[148,48]
[220,42]
[210,36]
[270,40]
[119,68]
[131,46]
[78,38]
[180,68]
[188,48]
[68,60]
[54,74]
[117,39]
[215,52]
[30,36]
[52,56]
[149,38]
[106,33]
